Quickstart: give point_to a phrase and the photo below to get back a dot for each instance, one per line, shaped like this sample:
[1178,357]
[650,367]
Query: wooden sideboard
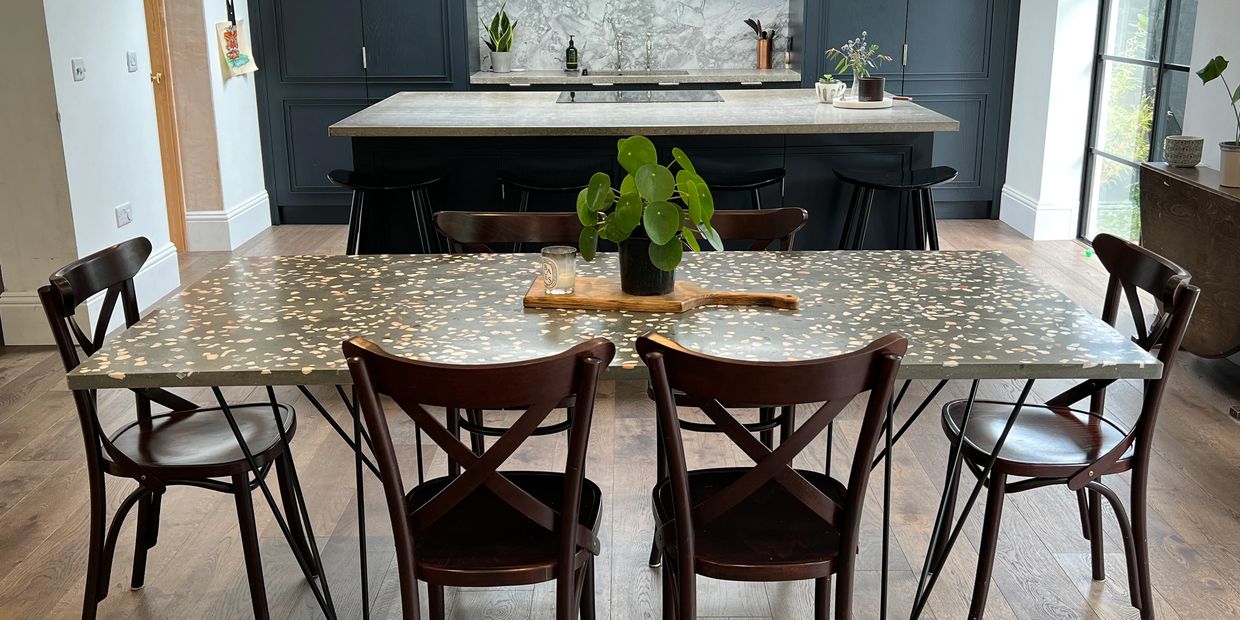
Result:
[1189,218]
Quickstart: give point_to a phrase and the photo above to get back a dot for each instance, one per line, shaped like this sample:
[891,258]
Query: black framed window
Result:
[1140,87]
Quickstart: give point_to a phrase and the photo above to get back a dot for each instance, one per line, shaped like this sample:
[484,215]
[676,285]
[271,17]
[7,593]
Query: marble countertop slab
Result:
[691,76]
[759,112]
[280,320]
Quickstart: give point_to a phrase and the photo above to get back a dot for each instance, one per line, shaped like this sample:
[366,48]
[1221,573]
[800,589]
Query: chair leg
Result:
[822,598]
[669,594]
[850,218]
[660,467]
[249,545]
[1082,504]
[990,543]
[292,511]
[477,443]
[686,582]
[94,567]
[147,535]
[826,469]
[940,549]
[587,591]
[765,415]
[932,223]
[1096,539]
[1140,535]
[435,601]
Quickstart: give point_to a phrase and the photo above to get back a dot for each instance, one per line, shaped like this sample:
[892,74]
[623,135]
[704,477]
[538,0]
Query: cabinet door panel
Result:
[885,23]
[407,40]
[315,45]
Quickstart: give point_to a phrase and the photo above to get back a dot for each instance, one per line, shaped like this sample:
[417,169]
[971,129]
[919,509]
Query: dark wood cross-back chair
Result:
[188,446]
[768,522]
[1054,444]
[484,527]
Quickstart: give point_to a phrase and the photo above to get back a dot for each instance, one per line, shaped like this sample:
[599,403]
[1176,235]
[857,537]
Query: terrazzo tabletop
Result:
[742,112]
[280,320]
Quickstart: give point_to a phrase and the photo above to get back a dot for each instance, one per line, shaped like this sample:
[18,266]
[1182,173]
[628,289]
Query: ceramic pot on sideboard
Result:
[639,276]
[1183,151]
[501,62]
[1230,164]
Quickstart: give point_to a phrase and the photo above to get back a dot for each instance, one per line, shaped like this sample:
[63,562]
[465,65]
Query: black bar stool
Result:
[752,182]
[524,187]
[917,183]
[418,186]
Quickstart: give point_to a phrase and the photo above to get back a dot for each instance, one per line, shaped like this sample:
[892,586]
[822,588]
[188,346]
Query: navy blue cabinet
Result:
[323,60]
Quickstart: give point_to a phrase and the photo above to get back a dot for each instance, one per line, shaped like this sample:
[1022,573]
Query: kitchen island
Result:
[471,136]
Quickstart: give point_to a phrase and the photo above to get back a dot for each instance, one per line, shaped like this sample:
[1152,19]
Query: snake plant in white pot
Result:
[499,39]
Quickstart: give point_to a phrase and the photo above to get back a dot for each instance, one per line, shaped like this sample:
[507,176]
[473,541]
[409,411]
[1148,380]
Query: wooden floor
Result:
[1042,571]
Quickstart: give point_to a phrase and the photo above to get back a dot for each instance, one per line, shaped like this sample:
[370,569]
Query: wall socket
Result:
[79,69]
[131,61]
[124,215]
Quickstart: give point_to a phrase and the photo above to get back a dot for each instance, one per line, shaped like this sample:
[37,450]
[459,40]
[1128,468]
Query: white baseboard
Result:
[1038,220]
[24,323]
[224,231]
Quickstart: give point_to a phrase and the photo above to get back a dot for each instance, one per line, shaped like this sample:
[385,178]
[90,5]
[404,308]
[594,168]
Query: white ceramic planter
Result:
[501,62]
[1230,163]
[1183,151]
[829,91]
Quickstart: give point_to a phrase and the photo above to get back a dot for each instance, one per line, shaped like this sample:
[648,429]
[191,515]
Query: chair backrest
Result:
[537,386]
[711,381]
[480,232]
[1133,268]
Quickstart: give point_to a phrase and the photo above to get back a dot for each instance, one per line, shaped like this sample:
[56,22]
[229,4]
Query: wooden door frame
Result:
[166,118]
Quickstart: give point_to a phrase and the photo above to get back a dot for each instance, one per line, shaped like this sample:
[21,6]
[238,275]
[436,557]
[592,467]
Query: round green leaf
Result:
[587,217]
[655,183]
[687,185]
[683,160]
[711,236]
[636,152]
[690,239]
[599,196]
[707,200]
[628,185]
[662,221]
[667,256]
[628,214]
[587,242]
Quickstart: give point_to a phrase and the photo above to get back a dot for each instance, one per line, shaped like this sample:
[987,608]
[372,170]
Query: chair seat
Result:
[743,180]
[896,179]
[484,541]
[769,529]
[200,443]
[358,181]
[1043,442]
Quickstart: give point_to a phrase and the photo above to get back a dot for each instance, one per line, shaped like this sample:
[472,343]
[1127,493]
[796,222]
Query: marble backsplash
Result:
[686,34]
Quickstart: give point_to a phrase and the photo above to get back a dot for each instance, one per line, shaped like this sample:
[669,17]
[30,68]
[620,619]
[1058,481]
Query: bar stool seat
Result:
[916,182]
[748,181]
[527,185]
[417,184]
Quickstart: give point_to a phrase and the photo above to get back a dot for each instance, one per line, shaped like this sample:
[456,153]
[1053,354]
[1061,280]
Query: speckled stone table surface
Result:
[742,112]
[280,320]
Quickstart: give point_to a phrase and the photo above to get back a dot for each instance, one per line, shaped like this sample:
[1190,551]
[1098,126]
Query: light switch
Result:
[79,69]
[131,61]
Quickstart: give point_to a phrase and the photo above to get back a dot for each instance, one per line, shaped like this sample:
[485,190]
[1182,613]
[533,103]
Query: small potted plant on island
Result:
[499,37]
[1230,160]
[859,56]
[829,88]
[652,217]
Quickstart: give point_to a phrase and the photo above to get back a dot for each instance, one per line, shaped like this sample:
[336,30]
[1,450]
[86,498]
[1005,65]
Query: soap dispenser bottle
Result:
[570,55]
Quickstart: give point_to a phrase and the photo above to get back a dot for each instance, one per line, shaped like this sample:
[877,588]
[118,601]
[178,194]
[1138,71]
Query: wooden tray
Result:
[605,294]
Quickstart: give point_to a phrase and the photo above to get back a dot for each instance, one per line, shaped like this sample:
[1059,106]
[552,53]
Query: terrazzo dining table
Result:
[968,315]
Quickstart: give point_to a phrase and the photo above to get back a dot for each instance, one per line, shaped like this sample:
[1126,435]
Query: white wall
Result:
[246,211]
[1208,113]
[1050,115]
[109,131]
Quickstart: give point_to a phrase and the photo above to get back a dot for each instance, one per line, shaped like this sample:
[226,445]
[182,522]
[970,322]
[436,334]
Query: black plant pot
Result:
[639,276]
[871,88]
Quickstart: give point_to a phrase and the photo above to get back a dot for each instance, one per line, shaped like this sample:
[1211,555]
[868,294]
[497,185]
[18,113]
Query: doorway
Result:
[166,118]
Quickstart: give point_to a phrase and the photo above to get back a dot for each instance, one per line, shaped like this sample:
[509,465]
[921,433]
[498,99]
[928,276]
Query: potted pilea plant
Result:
[859,56]
[652,217]
[1231,149]
[499,37]
[829,88]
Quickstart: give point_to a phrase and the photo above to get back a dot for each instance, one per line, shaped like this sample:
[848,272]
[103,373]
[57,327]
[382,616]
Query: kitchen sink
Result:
[636,72]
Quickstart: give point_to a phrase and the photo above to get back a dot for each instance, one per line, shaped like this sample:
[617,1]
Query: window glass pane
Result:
[1171,115]
[1126,110]
[1180,39]
[1134,29]
[1114,201]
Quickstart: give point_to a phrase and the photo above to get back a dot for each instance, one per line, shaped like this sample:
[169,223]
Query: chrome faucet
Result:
[619,46]
[649,51]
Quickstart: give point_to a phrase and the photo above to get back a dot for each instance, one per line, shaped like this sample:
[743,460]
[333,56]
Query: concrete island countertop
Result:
[748,112]
[691,76]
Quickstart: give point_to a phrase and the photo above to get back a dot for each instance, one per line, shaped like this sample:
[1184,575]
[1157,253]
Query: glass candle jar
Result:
[559,263]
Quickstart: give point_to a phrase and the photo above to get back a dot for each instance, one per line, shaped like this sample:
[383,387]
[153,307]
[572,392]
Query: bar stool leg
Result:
[919,221]
[850,218]
[867,203]
[355,223]
[932,227]
[757,199]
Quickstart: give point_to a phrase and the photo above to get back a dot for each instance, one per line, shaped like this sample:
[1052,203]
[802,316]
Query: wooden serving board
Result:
[605,294]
